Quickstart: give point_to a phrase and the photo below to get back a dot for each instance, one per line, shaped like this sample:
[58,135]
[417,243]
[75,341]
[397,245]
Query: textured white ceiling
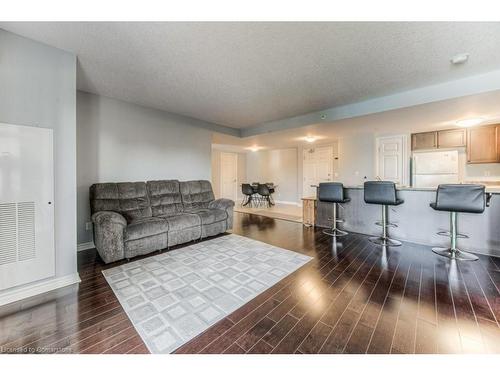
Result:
[244,74]
[426,117]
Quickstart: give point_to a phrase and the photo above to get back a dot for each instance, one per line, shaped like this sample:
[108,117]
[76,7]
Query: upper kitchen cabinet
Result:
[424,141]
[483,144]
[439,139]
[451,138]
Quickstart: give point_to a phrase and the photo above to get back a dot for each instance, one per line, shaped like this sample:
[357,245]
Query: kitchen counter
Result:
[417,221]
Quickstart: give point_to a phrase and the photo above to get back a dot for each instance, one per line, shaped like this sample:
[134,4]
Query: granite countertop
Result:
[494,189]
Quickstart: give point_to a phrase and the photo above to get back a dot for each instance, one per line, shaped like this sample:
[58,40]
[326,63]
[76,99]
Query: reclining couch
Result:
[137,218]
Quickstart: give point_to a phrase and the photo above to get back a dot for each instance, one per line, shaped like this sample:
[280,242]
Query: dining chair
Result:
[264,194]
[248,193]
[272,189]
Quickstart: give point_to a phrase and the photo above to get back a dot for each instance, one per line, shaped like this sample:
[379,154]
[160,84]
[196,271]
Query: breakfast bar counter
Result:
[416,221]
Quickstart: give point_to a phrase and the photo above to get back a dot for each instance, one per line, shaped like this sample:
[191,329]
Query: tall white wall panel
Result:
[27,251]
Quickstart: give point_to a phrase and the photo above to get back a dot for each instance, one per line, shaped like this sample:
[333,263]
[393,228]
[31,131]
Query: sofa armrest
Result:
[109,228]
[108,217]
[227,205]
[222,203]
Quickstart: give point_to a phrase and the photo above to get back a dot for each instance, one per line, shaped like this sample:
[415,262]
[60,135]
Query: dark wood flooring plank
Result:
[261,347]
[317,310]
[381,340]
[449,336]
[406,326]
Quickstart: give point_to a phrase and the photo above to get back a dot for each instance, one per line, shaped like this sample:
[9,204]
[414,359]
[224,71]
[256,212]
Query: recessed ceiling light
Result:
[459,58]
[310,139]
[254,148]
[469,122]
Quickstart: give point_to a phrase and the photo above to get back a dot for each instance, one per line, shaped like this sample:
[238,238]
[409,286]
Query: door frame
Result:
[405,155]
[221,177]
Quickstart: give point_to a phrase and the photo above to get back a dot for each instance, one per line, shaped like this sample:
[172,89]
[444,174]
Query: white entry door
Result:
[26,205]
[229,175]
[391,159]
[317,167]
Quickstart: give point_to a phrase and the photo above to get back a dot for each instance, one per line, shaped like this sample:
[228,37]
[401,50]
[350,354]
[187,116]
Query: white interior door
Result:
[317,167]
[26,205]
[391,159]
[229,175]
[308,173]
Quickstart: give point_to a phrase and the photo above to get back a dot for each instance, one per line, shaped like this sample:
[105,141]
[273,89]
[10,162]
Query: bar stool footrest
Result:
[390,225]
[385,241]
[335,232]
[447,233]
[336,220]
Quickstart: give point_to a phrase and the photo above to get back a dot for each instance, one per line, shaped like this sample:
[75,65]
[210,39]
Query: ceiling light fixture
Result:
[254,148]
[459,58]
[469,122]
[310,139]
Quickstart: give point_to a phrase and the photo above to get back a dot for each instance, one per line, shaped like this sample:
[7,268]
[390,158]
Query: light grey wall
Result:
[120,141]
[38,88]
[277,166]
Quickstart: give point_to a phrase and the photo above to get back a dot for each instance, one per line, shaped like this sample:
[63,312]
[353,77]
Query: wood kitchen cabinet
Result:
[309,211]
[439,139]
[451,138]
[483,144]
[424,141]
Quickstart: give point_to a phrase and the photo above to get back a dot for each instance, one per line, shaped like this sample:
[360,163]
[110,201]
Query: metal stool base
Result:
[454,254]
[335,232]
[385,241]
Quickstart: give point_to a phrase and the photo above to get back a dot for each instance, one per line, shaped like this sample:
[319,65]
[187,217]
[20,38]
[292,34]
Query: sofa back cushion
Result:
[127,198]
[196,194]
[165,197]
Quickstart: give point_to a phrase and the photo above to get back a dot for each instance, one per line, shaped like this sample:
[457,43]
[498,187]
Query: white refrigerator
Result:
[429,169]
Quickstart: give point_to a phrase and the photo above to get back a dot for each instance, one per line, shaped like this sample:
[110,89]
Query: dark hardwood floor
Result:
[353,297]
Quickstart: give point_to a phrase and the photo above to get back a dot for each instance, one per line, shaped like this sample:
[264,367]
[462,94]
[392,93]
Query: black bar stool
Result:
[455,198]
[333,192]
[383,193]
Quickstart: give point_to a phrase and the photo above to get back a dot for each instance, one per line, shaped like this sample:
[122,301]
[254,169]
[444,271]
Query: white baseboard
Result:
[38,288]
[85,246]
[287,202]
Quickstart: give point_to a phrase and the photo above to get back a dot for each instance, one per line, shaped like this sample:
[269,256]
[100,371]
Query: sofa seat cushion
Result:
[149,226]
[182,221]
[210,215]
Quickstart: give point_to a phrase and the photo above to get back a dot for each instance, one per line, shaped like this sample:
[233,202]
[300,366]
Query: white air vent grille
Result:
[26,230]
[17,232]
[8,233]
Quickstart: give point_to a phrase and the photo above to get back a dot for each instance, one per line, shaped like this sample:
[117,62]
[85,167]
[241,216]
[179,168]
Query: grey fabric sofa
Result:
[136,218]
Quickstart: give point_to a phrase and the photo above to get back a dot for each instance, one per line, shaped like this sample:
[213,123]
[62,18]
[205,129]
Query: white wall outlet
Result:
[88,225]
[487,173]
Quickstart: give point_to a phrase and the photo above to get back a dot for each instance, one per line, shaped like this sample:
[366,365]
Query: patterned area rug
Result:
[172,297]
